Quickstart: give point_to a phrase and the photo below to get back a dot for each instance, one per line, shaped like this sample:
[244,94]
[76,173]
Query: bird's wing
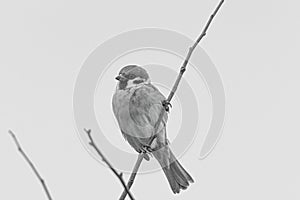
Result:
[145,106]
[135,143]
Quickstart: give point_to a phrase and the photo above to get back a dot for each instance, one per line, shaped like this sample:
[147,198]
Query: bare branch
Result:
[30,164]
[168,100]
[133,174]
[119,175]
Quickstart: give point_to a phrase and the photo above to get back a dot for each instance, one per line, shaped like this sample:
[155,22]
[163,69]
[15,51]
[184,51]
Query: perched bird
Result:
[136,105]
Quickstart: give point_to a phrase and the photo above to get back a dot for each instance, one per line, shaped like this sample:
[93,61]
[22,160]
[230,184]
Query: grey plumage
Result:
[137,106]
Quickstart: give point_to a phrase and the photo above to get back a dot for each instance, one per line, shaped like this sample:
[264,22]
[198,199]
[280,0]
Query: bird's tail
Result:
[177,176]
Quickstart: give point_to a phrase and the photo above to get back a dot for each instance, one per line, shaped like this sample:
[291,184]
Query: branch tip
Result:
[46,190]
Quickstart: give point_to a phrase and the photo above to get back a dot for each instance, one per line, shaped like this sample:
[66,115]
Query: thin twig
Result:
[168,100]
[132,176]
[30,164]
[119,175]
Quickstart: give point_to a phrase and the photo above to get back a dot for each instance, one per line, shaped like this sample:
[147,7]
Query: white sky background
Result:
[254,44]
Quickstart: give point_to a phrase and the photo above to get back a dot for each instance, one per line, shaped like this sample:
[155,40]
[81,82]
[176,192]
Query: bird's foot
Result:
[166,104]
[147,149]
[167,142]
[145,153]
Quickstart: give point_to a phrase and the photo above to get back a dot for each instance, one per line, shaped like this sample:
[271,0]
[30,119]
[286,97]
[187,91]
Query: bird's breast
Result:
[121,101]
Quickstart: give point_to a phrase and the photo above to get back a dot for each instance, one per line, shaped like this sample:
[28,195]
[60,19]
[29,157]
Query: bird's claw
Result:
[166,104]
[146,149]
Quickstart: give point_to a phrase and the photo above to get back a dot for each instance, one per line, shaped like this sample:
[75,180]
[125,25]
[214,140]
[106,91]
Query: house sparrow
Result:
[137,104]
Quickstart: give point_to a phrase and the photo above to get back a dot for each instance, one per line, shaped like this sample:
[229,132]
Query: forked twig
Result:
[30,164]
[119,175]
[168,100]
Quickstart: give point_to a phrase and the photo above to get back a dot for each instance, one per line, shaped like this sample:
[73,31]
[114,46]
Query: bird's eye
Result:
[131,76]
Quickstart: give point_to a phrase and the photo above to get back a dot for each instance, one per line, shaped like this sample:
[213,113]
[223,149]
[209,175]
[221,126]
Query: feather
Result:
[176,175]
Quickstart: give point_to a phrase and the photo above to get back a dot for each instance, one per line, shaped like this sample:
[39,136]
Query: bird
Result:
[137,105]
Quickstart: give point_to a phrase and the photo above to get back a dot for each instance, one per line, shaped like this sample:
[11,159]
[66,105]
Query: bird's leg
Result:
[166,104]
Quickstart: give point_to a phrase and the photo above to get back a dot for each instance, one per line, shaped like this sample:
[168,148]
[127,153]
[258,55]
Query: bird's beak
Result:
[120,78]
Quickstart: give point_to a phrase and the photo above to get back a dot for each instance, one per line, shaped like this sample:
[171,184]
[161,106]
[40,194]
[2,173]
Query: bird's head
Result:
[132,75]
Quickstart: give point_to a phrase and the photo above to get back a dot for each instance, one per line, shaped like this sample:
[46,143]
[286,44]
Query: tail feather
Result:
[172,181]
[177,176]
